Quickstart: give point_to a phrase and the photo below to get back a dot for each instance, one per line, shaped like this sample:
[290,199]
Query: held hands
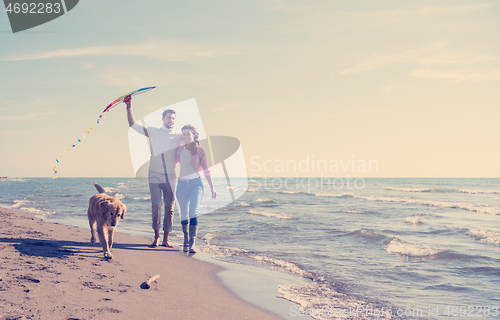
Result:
[127,100]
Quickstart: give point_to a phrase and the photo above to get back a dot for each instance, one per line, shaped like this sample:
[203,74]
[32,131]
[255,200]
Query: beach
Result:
[403,246]
[51,271]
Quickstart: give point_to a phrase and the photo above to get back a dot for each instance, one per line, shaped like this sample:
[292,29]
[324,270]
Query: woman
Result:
[189,187]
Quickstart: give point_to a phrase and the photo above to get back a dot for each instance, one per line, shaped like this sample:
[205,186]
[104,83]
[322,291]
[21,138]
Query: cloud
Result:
[21,117]
[424,10]
[388,57]
[457,75]
[12,132]
[226,107]
[428,55]
[391,87]
[286,5]
[154,48]
[38,104]
[31,103]
[458,58]
[132,77]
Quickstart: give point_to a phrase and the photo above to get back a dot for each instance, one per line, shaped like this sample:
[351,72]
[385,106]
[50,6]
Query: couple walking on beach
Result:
[167,148]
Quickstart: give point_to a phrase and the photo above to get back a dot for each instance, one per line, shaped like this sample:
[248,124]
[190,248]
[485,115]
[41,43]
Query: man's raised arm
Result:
[131,118]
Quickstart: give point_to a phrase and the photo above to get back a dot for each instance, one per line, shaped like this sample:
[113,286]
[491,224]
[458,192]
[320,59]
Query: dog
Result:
[104,213]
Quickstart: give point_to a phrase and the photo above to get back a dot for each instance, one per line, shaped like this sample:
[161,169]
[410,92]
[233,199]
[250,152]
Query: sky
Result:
[373,88]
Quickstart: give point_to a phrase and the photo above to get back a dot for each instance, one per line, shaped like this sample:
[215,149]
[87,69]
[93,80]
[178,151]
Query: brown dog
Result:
[105,211]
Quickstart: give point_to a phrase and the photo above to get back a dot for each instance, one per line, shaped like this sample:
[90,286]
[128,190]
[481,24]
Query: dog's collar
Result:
[167,130]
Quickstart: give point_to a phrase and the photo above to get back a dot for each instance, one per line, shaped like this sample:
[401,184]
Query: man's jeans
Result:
[156,188]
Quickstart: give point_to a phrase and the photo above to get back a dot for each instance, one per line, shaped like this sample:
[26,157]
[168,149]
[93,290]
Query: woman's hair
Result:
[192,147]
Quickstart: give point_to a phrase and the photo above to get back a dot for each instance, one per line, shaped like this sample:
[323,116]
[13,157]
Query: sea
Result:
[415,247]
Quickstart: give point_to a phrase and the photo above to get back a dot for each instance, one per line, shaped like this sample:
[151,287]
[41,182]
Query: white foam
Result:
[414,220]
[321,301]
[352,211]
[110,189]
[119,196]
[480,191]
[222,251]
[18,203]
[411,250]
[270,214]
[145,198]
[486,236]
[230,251]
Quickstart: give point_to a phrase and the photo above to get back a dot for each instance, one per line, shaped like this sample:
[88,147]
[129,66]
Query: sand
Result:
[51,271]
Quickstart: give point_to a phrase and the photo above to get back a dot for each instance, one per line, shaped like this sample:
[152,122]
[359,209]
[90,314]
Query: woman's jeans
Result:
[189,194]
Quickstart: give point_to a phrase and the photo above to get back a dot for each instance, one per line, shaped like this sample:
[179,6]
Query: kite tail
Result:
[99,188]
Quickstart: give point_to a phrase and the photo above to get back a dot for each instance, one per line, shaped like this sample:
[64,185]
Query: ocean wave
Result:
[283,264]
[414,220]
[433,190]
[411,250]
[368,235]
[242,204]
[486,236]
[252,190]
[266,200]
[336,195]
[237,252]
[119,196]
[443,190]
[440,204]
[290,192]
[270,214]
[324,302]
[26,205]
[447,287]
[209,236]
[360,212]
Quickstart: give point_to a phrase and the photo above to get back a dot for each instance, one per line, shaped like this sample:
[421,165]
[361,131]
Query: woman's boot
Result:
[186,239]
[192,234]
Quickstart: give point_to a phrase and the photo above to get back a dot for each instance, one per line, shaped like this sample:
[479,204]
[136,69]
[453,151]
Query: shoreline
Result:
[51,271]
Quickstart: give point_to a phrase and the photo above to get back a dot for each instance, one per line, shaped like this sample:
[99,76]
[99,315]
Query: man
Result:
[161,174]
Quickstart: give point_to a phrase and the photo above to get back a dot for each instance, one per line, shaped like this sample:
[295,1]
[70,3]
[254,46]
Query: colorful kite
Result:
[111,105]
[120,99]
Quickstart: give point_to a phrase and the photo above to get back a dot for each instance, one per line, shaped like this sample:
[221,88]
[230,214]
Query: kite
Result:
[120,99]
[109,107]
